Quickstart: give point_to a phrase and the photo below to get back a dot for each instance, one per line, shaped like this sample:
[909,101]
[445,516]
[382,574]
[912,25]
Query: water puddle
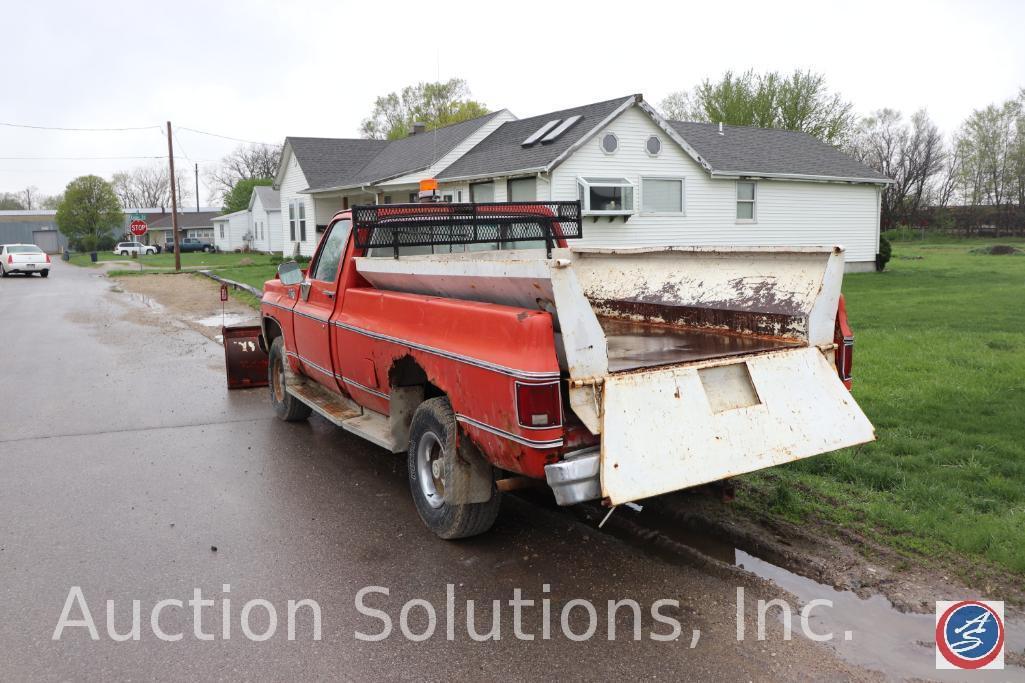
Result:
[226,319]
[884,639]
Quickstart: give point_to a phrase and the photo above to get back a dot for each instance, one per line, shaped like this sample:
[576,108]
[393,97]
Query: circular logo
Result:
[970,634]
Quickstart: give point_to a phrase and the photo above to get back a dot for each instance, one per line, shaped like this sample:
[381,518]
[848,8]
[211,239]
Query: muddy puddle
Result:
[220,320]
[881,637]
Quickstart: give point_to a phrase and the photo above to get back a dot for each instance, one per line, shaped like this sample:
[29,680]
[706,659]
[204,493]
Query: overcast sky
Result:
[263,70]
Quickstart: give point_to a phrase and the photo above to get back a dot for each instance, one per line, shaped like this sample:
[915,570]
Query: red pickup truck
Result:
[471,338]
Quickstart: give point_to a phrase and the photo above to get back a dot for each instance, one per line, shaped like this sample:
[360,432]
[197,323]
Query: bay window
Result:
[606,196]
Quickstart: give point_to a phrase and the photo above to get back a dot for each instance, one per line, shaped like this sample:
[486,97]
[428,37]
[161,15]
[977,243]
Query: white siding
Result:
[788,213]
[222,243]
[292,182]
[275,235]
[239,225]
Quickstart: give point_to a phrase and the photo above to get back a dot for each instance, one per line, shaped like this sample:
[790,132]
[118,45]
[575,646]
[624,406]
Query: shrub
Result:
[885,252]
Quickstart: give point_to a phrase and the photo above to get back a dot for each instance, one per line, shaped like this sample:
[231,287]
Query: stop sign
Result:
[138,228]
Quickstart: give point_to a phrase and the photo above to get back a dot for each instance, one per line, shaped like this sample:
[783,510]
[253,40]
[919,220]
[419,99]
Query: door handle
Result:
[329,293]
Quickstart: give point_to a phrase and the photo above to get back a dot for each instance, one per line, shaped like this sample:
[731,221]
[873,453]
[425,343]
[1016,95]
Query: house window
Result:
[387,199]
[662,195]
[222,231]
[482,192]
[606,196]
[302,221]
[291,221]
[609,143]
[522,189]
[745,200]
[653,145]
[413,197]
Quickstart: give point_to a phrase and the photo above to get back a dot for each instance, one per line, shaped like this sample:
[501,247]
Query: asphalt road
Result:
[124,461]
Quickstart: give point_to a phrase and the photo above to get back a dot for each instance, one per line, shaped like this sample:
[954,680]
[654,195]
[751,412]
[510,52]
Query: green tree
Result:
[238,197]
[433,104]
[89,211]
[799,101]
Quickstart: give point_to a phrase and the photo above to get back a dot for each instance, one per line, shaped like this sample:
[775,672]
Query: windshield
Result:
[24,249]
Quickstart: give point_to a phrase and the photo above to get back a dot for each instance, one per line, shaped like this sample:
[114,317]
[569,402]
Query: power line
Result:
[90,130]
[226,137]
[80,158]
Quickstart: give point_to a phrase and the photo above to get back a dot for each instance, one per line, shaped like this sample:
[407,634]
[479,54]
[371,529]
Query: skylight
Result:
[563,127]
[540,132]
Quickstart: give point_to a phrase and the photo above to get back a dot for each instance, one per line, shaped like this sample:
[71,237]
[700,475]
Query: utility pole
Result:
[197,188]
[174,204]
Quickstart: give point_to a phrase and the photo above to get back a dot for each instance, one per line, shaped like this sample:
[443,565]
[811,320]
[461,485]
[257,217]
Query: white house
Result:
[265,219]
[232,231]
[642,180]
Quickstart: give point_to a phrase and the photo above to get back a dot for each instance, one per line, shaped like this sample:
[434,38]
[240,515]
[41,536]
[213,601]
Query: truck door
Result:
[317,295]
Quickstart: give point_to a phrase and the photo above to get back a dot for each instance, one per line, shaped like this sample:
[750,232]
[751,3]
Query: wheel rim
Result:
[429,458]
[278,380]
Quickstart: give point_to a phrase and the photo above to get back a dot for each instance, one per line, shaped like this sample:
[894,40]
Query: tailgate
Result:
[677,427]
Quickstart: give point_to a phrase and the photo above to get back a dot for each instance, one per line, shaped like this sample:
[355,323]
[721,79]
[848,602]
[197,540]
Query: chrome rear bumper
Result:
[575,479]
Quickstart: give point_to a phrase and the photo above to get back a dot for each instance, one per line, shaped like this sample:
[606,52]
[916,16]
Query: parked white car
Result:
[133,248]
[23,258]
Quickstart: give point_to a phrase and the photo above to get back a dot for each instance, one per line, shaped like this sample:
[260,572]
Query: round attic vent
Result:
[609,143]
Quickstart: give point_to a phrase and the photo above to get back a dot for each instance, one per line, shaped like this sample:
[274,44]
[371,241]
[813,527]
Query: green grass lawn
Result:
[254,276]
[190,260]
[939,367]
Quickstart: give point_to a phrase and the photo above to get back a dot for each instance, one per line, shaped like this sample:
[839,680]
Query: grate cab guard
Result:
[419,225]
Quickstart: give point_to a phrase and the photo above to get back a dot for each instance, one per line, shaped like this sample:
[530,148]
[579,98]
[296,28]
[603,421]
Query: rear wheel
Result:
[206,250]
[432,441]
[124,253]
[286,406]
[3,273]
[44,273]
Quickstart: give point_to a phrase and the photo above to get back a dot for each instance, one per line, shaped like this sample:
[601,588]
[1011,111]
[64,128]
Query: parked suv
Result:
[134,248]
[191,244]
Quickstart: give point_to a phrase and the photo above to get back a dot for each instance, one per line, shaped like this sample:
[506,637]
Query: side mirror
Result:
[290,273]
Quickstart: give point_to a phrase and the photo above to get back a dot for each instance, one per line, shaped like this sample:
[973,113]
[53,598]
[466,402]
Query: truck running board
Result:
[344,413]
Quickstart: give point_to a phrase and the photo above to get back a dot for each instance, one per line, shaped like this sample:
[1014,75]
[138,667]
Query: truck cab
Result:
[473,339]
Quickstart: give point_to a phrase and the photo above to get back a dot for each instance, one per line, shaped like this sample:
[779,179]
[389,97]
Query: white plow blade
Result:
[673,428]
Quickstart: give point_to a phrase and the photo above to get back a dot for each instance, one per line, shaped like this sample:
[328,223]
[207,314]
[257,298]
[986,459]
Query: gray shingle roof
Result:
[748,150]
[269,197]
[328,162]
[502,151]
[186,219]
[416,152]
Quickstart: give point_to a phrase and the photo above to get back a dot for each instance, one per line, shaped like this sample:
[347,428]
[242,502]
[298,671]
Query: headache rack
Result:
[383,226]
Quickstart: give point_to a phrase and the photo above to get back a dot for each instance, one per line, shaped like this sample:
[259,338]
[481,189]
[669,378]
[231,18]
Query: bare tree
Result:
[246,162]
[149,186]
[29,197]
[912,153]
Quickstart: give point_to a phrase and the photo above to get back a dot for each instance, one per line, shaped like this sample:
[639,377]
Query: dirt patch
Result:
[998,250]
[192,299]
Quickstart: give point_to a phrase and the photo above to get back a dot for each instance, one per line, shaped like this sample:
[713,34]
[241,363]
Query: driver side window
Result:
[326,268]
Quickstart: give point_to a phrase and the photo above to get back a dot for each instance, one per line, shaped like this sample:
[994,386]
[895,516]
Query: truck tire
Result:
[286,406]
[432,437]
[44,273]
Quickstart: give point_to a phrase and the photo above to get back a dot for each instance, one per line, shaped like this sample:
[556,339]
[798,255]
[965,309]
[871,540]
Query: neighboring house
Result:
[190,224]
[232,231]
[265,219]
[37,227]
[641,180]
[321,176]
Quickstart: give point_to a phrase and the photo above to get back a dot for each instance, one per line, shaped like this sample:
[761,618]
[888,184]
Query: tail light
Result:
[47,258]
[10,259]
[538,405]
[843,337]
